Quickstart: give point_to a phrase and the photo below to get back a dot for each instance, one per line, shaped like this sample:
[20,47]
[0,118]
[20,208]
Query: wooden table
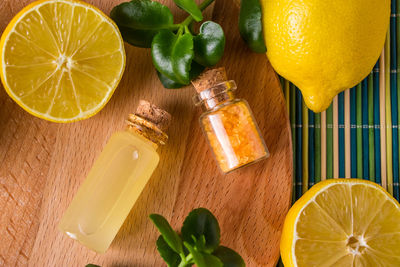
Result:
[43,164]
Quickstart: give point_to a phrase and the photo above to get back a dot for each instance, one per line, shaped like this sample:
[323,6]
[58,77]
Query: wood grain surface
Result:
[43,164]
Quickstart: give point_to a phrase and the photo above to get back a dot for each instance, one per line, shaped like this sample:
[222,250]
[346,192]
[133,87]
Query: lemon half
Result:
[343,222]
[61,60]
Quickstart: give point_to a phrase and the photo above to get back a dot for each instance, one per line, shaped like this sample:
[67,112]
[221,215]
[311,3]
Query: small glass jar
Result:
[230,127]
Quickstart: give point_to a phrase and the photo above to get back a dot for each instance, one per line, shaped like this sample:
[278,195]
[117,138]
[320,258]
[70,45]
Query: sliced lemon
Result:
[61,60]
[343,222]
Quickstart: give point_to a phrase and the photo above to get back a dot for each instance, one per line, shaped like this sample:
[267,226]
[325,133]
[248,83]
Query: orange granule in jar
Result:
[228,123]
[233,135]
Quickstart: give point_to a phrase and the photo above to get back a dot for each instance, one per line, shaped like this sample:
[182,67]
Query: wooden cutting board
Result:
[43,164]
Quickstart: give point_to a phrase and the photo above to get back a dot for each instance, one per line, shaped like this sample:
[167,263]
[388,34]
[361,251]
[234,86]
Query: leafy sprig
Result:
[250,25]
[179,54]
[198,243]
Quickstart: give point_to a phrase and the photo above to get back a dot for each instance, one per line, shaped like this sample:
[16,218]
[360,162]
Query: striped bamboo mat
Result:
[358,136]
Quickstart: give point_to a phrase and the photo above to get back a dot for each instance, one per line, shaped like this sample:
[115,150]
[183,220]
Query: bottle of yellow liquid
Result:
[116,179]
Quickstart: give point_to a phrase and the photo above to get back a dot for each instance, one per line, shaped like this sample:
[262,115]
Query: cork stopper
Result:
[153,114]
[209,79]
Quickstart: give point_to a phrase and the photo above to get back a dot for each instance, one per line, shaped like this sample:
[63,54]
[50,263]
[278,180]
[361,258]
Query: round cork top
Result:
[154,114]
[209,79]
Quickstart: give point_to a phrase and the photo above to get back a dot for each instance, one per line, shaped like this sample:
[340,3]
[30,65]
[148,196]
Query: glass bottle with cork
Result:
[227,122]
[117,179]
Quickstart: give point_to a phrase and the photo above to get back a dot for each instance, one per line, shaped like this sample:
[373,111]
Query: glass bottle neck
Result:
[146,129]
[216,95]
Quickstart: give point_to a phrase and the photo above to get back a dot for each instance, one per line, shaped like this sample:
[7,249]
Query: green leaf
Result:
[213,261]
[203,259]
[172,55]
[201,222]
[195,71]
[209,45]
[229,257]
[200,243]
[168,83]
[92,265]
[140,20]
[197,256]
[170,236]
[170,257]
[139,38]
[250,25]
[190,7]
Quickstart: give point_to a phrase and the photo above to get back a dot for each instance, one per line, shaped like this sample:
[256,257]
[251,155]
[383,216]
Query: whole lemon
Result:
[324,46]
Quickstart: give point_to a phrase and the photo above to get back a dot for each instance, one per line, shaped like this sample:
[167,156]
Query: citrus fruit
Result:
[343,222]
[61,60]
[324,47]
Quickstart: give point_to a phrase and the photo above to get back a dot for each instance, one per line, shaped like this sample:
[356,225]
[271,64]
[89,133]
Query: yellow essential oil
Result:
[116,180]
